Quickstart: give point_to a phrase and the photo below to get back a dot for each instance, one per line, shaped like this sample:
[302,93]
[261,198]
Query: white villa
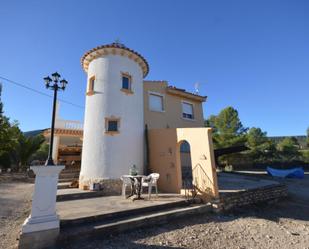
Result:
[132,121]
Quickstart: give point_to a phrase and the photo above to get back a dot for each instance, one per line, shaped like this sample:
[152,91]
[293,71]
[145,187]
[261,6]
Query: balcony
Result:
[68,124]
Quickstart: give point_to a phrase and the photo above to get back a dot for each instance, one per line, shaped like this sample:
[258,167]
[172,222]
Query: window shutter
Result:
[187,108]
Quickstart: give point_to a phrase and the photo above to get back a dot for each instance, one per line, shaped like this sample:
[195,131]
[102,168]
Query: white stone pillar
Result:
[41,228]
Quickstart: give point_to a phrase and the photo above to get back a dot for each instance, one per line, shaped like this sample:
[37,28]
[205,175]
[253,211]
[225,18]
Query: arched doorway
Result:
[186,165]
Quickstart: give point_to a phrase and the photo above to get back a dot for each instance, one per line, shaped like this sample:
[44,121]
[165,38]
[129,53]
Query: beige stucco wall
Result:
[164,158]
[172,115]
[202,159]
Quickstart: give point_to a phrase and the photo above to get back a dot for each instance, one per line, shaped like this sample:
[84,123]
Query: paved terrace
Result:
[233,183]
[81,208]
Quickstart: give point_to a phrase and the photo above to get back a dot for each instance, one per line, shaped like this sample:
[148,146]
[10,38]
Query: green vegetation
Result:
[288,149]
[308,137]
[228,131]
[305,155]
[26,147]
[16,149]
[261,148]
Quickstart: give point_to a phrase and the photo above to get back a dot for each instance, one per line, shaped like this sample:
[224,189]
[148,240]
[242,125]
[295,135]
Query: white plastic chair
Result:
[151,181]
[126,181]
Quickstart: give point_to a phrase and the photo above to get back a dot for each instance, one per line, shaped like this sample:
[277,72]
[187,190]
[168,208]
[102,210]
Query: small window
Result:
[91,82]
[156,102]
[126,81]
[187,110]
[112,125]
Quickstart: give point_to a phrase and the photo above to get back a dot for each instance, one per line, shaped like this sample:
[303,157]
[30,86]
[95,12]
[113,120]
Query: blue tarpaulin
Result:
[286,173]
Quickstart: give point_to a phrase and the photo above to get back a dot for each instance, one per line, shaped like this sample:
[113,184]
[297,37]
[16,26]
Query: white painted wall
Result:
[105,156]
[56,148]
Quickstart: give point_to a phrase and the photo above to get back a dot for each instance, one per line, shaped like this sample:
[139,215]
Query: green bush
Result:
[305,155]
[5,160]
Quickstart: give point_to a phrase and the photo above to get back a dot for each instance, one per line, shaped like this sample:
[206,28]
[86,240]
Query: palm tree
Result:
[26,147]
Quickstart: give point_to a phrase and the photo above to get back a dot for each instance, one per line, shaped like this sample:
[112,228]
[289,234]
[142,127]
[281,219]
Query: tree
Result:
[9,133]
[262,149]
[256,137]
[1,104]
[41,154]
[211,122]
[308,137]
[288,149]
[227,128]
[14,146]
[26,147]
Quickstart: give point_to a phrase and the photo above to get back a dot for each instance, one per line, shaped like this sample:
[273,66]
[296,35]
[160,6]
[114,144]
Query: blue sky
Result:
[252,55]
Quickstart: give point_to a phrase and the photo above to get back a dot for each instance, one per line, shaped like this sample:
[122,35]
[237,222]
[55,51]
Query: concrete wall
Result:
[107,156]
[164,157]
[172,115]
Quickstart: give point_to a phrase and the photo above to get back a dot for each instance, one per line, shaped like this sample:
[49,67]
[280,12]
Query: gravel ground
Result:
[15,197]
[281,225]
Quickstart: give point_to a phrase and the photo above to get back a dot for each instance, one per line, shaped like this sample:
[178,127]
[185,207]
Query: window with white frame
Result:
[187,110]
[156,102]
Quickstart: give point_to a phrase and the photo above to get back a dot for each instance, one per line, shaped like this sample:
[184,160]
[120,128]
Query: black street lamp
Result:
[53,84]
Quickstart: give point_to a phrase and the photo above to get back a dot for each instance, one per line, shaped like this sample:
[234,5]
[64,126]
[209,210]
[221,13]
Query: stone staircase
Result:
[67,176]
[117,222]
[87,214]
[66,193]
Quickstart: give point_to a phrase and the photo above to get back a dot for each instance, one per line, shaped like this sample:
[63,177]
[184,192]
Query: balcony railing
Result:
[68,124]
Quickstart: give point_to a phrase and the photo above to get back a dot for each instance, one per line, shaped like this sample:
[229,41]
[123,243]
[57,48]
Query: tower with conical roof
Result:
[114,122]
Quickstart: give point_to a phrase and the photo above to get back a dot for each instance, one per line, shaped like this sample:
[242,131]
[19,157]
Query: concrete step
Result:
[112,216]
[67,180]
[71,170]
[122,224]
[66,175]
[63,185]
[68,194]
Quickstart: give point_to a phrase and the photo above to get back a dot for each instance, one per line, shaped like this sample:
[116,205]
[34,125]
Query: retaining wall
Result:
[268,193]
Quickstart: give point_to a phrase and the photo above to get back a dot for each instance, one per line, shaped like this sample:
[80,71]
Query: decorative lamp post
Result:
[54,84]
[42,227]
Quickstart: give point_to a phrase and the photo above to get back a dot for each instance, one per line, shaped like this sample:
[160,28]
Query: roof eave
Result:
[187,95]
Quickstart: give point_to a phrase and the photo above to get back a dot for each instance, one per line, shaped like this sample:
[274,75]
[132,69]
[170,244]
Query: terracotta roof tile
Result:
[121,46]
